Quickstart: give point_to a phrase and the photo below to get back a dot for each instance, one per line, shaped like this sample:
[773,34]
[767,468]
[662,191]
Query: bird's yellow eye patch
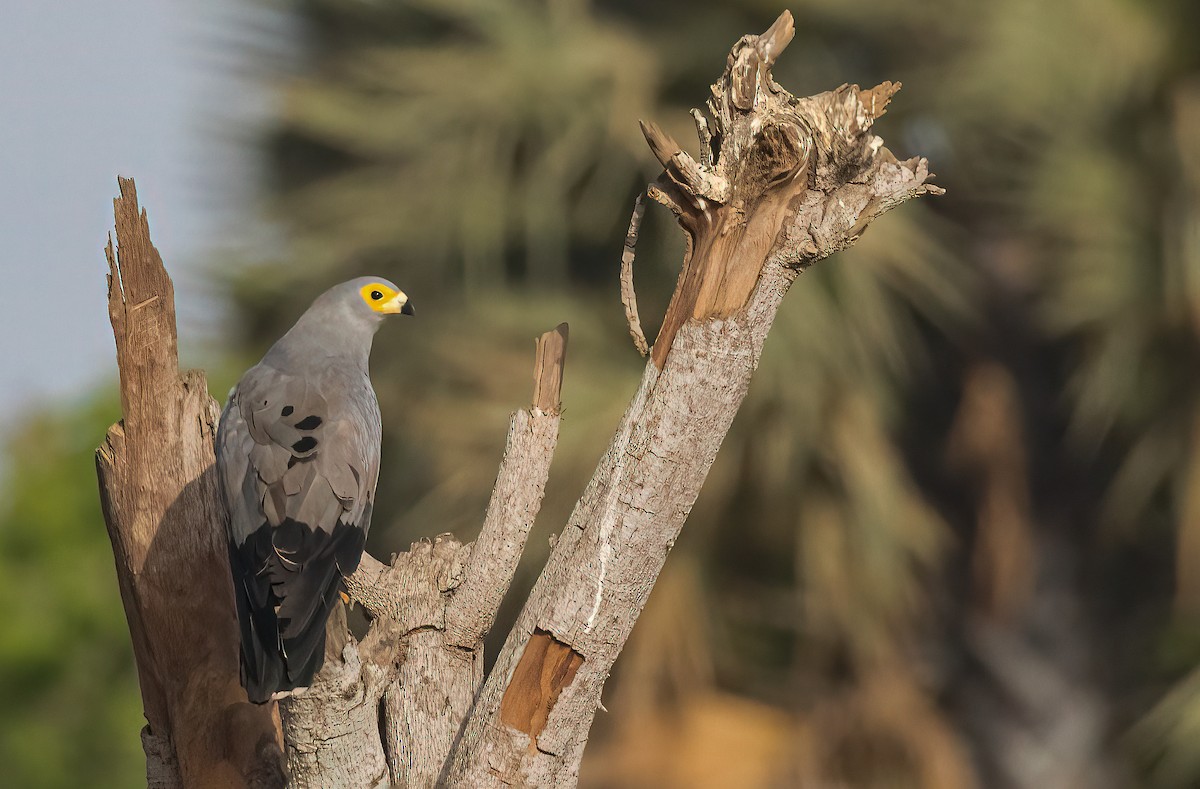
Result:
[382,298]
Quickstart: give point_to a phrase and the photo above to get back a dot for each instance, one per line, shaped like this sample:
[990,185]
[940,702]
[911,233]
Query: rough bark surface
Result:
[332,729]
[160,501]
[781,182]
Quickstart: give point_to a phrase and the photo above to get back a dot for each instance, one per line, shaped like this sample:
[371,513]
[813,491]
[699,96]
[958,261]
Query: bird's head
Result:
[382,297]
[342,320]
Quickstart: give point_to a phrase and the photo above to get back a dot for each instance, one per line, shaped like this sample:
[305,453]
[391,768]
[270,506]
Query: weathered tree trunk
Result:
[780,183]
[160,501]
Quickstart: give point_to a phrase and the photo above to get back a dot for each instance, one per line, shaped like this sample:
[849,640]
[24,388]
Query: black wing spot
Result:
[287,410]
[304,444]
[309,423]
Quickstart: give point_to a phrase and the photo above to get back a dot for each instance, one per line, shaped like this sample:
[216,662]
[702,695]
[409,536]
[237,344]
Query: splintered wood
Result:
[767,161]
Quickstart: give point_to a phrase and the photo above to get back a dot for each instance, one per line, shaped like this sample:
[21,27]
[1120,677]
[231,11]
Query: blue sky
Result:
[89,90]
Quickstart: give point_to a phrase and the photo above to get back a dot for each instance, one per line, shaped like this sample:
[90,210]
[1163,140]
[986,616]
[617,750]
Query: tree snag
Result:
[780,182]
[159,495]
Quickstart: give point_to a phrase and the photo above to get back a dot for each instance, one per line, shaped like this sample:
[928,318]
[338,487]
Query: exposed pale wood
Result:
[550,358]
[698,184]
[662,145]
[545,668]
[792,181]
[160,501]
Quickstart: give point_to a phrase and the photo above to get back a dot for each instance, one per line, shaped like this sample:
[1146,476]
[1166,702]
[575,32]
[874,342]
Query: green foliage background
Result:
[1006,371]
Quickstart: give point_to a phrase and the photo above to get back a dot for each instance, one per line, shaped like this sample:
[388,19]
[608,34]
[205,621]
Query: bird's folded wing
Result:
[299,471]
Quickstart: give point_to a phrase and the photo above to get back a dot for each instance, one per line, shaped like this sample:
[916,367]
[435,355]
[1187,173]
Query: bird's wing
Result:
[299,460]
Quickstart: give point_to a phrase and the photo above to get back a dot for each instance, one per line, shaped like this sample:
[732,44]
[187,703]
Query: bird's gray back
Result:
[300,445]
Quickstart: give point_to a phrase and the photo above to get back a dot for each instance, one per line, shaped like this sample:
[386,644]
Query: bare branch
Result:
[332,729]
[700,185]
[780,183]
[550,358]
[408,593]
[516,500]
[628,294]
[662,145]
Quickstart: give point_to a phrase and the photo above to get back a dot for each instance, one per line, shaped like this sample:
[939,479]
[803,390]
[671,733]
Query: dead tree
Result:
[779,183]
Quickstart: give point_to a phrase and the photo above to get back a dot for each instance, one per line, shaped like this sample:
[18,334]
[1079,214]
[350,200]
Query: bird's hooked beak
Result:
[397,305]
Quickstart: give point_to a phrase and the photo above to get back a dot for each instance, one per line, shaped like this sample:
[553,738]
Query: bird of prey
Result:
[298,459]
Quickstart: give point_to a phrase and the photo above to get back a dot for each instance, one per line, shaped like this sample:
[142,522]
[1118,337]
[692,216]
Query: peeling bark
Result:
[628,294]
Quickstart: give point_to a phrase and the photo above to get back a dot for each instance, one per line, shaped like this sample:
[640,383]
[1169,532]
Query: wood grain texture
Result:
[790,182]
[160,501]
[425,708]
[550,358]
[436,680]
[773,154]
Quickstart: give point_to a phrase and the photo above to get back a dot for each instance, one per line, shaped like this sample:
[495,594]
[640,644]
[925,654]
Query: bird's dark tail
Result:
[286,581]
[262,667]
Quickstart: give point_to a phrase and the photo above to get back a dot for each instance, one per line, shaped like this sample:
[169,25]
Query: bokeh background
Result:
[953,539]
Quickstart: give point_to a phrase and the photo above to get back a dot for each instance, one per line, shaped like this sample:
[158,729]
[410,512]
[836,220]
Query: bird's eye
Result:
[376,295]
